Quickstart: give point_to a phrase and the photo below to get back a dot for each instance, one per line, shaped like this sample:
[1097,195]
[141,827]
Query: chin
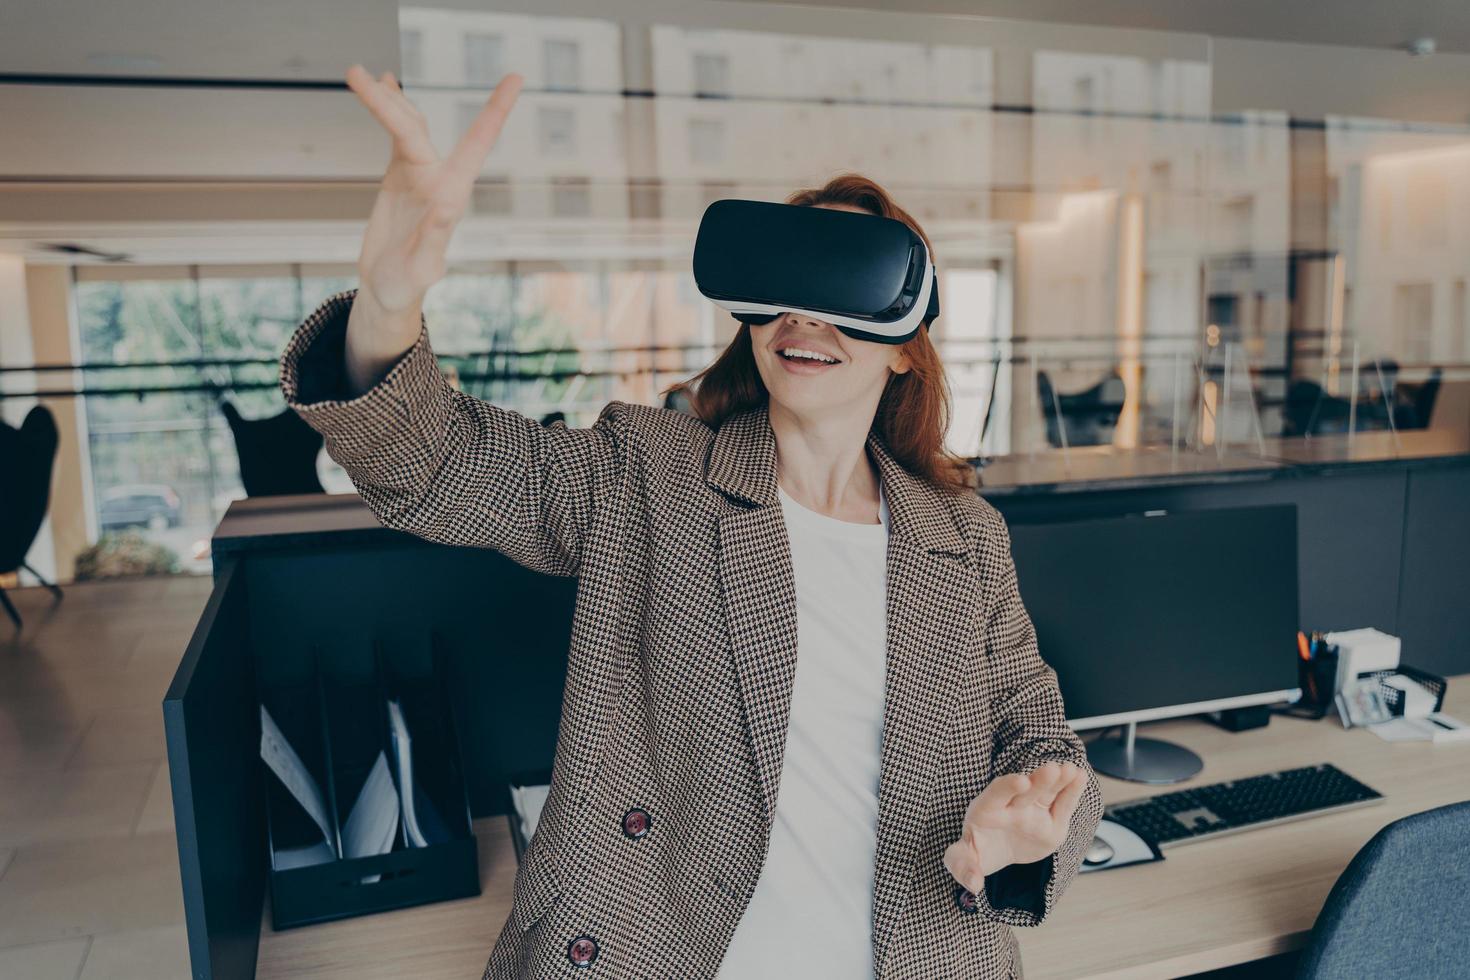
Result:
[809,400]
[810,396]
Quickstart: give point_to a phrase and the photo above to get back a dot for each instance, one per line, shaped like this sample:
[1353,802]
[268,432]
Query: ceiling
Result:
[306,40]
[299,41]
[1354,23]
[74,132]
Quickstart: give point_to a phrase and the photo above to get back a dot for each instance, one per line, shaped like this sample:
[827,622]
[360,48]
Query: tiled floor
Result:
[89,879]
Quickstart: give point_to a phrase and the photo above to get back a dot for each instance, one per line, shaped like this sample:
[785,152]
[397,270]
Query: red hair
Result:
[914,410]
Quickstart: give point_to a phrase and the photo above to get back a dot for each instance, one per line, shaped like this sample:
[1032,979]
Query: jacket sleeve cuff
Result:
[412,398]
[1020,888]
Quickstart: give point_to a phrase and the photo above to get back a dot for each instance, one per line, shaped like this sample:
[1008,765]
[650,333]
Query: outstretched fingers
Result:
[468,156]
[394,113]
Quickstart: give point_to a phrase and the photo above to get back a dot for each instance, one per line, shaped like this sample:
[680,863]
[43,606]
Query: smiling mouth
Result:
[799,356]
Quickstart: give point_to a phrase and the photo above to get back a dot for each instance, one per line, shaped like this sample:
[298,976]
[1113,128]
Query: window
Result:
[163,462]
[571,197]
[411,55]
[558,128]
[645,198]
[714,190]
[484,59]
[491,196]
[563,66]
[711,74]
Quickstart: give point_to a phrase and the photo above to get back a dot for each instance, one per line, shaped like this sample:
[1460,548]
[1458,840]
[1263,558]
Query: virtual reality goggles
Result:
[869,276]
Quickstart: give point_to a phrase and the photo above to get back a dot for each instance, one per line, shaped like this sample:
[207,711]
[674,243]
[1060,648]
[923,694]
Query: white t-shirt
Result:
[811,915]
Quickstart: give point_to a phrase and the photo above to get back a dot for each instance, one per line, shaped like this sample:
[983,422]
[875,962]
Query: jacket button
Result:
[636,822]
[582,951]
[966,899]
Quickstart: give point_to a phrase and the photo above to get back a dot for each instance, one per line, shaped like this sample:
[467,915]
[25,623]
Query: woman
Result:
[889,809]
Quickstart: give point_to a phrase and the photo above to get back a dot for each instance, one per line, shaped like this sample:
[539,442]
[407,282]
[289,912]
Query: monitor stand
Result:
[1142,760]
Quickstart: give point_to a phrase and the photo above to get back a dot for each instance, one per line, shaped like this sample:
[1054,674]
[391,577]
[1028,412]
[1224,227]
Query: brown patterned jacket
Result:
[682,658]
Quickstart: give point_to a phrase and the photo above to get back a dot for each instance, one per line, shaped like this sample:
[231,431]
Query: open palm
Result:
[423,196]
[1018,818]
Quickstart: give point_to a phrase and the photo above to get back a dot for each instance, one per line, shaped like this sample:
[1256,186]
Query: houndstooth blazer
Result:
[683,652]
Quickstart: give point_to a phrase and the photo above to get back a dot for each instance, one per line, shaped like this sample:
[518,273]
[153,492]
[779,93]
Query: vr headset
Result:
[869,276]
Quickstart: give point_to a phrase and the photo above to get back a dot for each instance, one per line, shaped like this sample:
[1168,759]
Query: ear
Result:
[901,364]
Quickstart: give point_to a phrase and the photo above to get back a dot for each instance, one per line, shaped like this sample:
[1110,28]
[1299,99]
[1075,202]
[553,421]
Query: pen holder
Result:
[1318,679]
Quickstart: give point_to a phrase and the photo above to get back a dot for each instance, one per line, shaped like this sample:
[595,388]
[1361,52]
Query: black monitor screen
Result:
[1144,612]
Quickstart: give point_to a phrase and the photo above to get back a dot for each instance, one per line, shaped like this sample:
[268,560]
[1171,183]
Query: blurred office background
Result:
[1255,227]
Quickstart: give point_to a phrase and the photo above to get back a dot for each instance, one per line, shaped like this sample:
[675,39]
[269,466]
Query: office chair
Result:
[1398,909]
[27,457]
[1309,410]
[277,454]
[1090,416]
[1413,404]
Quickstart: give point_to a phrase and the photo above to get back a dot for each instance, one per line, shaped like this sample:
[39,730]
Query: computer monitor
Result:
[1159,615]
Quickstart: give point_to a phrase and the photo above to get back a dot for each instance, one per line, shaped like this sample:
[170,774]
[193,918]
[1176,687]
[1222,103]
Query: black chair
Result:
[1398,909]
[277,454]
[1309,410]
[27,457]
[1413,403]
[1091,415]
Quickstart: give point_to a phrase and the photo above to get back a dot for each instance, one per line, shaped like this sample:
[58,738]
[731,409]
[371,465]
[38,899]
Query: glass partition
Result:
[1124,268]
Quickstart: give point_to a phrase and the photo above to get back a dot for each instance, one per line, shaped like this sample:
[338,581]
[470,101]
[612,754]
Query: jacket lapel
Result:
[931,591]
[758,585]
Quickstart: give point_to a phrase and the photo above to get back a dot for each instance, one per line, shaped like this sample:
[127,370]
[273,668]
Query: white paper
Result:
[373,822]
[293,774]
[301,857]
[1436,727]
[1417,699]
[398,729]
[528,801]
[1361,651]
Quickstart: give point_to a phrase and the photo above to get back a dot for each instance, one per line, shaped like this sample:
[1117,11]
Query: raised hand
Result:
[420,201]
[1018,818]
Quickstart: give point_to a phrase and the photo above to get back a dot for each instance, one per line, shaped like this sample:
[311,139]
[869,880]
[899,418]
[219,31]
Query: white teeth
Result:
[799,352]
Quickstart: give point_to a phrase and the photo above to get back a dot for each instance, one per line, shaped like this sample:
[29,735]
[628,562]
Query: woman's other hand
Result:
[420,201]
[1017,819]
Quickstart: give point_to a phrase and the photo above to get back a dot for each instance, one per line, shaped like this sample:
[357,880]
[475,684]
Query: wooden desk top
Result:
[1367,447]
[442,941]
[1207,905]
[295,520]
[1215,903]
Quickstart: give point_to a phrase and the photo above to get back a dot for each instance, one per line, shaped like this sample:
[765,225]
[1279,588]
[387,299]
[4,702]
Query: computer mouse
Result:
[1101,852]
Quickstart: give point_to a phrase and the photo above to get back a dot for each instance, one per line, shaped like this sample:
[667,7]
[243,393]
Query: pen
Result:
[1301,643]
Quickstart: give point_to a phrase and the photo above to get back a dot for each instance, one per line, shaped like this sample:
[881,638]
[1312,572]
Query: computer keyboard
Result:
[1204,812]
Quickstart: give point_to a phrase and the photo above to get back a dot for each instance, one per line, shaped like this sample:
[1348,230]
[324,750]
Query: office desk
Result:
[1206,905]
[1250,895]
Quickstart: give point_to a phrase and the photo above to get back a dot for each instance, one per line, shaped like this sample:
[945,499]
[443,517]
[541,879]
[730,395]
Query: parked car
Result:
[151,505]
